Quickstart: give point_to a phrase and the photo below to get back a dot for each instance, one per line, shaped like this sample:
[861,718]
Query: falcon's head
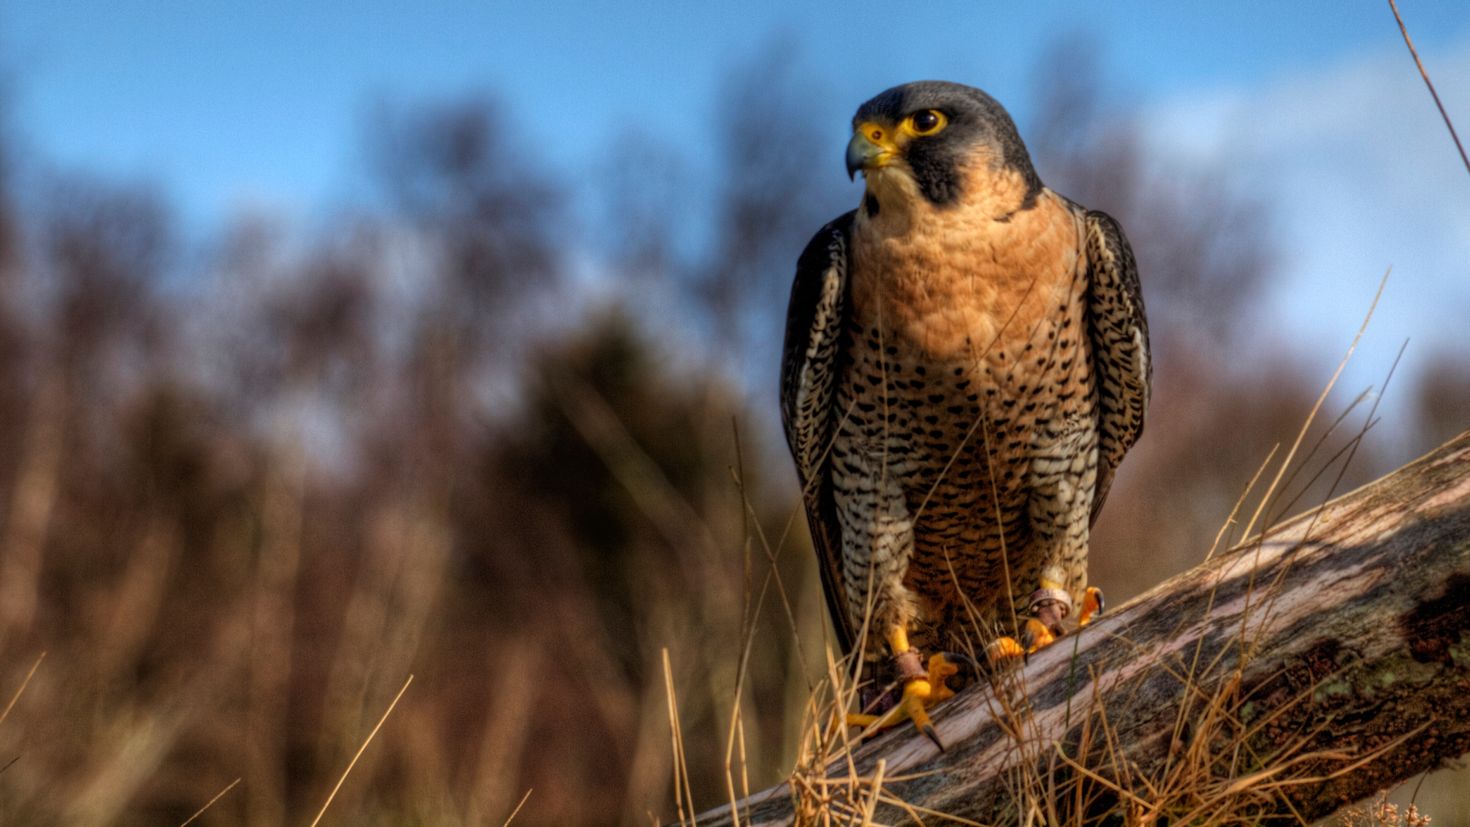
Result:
[942,143]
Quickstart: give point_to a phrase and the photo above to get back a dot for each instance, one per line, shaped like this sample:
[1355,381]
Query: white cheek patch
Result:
[894,187]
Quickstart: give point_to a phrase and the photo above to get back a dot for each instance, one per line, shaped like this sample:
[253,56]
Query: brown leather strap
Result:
[909,666]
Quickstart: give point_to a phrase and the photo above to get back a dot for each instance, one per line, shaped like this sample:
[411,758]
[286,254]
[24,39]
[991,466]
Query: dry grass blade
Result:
[1427,82]
[915,811]
[22,689]
[877,785]
[735,737]
[210,803]
[360,751]
[1316,407]
[683,794]
[1230,519]
[517,810]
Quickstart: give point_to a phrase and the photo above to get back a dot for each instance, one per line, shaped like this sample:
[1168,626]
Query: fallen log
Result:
[1294,674]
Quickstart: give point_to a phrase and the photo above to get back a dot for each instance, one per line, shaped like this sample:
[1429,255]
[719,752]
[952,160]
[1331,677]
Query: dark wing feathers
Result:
[809,366]
[1120,356]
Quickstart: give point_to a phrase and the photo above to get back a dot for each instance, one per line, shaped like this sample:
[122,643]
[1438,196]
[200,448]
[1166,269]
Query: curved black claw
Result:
[928,729]
[1092,606]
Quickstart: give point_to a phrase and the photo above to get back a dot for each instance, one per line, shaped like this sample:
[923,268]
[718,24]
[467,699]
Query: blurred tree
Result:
[101,254]
[647,196]
[14,344]
[619,534]
[494,227]
[105,253]
[9,220]
[767,205]
[1443,401]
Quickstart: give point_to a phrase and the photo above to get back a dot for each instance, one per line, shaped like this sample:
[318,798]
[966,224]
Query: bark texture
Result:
[1294,674]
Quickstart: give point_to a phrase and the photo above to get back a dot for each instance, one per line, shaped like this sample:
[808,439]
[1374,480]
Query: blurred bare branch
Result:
[646,194]
[768,203]
[456,170]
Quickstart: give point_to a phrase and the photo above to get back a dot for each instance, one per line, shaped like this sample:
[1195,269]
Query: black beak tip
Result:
[858,152]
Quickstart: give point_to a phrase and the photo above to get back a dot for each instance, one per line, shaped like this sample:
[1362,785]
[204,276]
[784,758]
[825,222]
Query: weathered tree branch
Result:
[1285,678]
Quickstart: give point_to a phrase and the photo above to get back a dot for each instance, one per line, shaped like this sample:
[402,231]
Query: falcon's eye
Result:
[927,122]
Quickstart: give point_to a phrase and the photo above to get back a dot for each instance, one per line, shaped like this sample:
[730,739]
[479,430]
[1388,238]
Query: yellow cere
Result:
[879,134]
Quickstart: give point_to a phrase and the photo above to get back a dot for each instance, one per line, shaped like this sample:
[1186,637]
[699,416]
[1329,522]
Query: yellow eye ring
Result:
[927,122]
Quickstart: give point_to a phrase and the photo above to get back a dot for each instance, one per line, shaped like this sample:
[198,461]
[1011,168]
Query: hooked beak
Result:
[871,147]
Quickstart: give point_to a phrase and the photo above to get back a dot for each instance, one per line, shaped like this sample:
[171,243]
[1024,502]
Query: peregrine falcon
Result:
[966,362]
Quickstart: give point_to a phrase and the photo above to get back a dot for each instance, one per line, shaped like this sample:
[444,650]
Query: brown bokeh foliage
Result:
[246,490]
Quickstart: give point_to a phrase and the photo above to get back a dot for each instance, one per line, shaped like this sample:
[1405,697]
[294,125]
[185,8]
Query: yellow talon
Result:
[919,693]
[1036,636]
[1005,648]
[1092,605]
[939,669]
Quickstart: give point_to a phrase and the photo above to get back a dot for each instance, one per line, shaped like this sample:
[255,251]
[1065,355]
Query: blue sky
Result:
[227,102]
[228,106]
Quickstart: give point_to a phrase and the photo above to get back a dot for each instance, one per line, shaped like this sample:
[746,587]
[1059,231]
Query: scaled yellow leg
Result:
[919,692]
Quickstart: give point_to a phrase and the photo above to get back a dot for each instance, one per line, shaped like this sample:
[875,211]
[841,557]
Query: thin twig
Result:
[517,810]
[360,750]
[1424,74]
[210,803]
[23,685]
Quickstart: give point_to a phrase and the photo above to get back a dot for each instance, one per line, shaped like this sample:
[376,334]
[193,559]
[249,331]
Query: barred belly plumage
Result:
[934,465]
